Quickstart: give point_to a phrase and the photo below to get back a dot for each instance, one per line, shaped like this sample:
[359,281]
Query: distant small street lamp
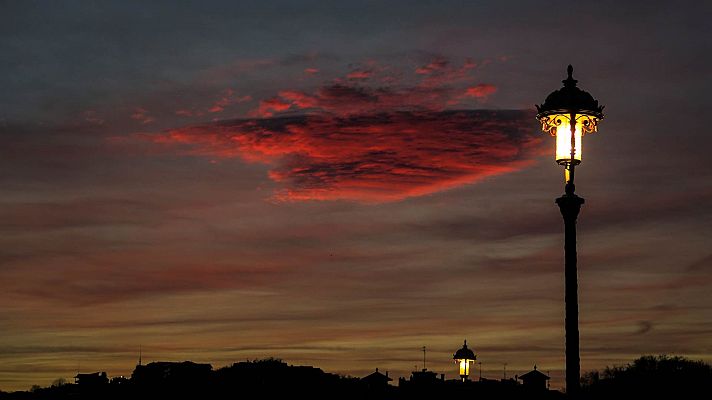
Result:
[568,114]
[464,357]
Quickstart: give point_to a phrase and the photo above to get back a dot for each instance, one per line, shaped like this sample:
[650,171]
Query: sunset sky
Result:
[340,183]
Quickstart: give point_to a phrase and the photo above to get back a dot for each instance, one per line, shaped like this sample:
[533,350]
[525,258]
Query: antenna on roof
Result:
[424,358]
[139,354]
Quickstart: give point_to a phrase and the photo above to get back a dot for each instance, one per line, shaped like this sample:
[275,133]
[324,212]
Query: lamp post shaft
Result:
[570,205]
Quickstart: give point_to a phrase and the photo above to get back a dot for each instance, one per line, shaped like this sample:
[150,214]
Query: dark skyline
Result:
[340,184]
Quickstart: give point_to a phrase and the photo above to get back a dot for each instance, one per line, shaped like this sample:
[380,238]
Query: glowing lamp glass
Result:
[464,367]
[559,125]
[563,140]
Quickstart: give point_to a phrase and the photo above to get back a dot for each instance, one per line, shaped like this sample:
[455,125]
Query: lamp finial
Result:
[569,81]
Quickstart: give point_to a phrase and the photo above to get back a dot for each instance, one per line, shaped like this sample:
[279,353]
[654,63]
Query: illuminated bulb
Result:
[563,140]
[464,367]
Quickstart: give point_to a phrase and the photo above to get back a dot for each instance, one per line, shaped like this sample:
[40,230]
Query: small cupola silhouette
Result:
[464,357]
[534,379]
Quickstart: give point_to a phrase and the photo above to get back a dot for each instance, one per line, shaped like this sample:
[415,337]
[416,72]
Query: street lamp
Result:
[464,357]
[568,114]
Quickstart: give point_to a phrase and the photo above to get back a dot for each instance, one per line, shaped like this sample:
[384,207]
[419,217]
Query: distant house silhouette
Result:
[534,379]
[422,384]
[376,380]
[92,379]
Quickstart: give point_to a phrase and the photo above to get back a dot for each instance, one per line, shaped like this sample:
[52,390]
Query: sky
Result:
[338,184]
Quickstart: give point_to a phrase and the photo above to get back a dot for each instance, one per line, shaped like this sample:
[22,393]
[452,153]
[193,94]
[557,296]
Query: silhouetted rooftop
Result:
[376,376]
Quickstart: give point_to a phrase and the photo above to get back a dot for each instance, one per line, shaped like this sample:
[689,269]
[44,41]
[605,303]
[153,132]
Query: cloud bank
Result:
[369,157]
[374,134]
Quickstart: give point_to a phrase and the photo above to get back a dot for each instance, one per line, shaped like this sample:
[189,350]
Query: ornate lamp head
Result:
[568,114]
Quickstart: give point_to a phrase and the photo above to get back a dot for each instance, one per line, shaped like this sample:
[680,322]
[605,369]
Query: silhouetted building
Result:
[422,384]
[181,373]
[119,380]
[425,377]
[92,379]
[534,379]
[376,380]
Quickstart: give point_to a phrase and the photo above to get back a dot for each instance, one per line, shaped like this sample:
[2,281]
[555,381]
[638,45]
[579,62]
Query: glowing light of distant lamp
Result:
[464,357]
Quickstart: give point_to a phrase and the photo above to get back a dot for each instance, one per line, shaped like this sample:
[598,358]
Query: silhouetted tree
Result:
[651,376]
[59,382]
[273,378]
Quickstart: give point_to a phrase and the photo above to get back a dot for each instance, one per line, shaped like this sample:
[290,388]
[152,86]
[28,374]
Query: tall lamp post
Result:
[568,114]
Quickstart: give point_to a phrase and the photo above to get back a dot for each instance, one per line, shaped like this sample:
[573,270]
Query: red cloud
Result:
[480,91]
[372,143]
[228,98]
[268,107]
[340,99]
[439,72]
[360,74]
[373,157]
[437,64]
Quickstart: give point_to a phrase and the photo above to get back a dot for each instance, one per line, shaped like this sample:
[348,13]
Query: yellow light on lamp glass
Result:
[563,139]
[464,367]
